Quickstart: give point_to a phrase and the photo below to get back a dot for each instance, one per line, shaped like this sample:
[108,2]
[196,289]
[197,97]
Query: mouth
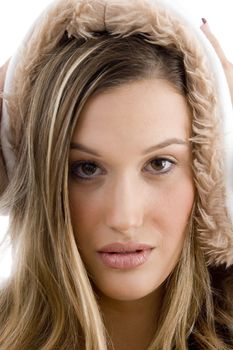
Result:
[125,248]
[125,260]
[127,252]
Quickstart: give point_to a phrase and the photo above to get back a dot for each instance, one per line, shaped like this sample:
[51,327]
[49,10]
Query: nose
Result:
[125,209]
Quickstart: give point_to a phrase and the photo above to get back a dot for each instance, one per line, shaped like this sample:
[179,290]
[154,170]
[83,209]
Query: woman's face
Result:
[131,182]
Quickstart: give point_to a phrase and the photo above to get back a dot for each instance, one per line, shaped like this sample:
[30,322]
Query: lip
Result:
[125,256]
[129,247]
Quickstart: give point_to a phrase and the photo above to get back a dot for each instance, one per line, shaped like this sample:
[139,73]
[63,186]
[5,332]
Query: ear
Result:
[3,171]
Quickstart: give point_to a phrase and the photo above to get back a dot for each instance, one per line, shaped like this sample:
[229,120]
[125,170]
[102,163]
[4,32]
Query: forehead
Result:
[139,111]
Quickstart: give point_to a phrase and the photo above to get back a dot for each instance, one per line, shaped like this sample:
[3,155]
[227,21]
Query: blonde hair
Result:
[48,302]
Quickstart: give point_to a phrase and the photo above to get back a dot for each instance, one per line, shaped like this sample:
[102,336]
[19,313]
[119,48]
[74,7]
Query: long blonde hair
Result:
[48,302]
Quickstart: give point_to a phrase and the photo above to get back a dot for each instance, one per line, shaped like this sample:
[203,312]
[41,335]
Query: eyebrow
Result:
[165,143]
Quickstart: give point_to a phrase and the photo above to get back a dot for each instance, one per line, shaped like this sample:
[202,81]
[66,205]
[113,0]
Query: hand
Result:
[3,70]
[227,66]
[3,175]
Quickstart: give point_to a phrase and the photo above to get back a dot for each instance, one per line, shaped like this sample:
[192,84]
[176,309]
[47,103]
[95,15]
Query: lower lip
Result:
[125,260]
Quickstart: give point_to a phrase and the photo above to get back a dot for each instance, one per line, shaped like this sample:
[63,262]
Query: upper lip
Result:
[128,247]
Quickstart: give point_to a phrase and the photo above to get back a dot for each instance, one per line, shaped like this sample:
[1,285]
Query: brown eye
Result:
[160,165]
[85,170]
[88,169]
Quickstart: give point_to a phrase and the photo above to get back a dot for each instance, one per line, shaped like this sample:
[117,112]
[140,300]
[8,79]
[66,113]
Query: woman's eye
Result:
[88,170]
[84,170]
[160,165]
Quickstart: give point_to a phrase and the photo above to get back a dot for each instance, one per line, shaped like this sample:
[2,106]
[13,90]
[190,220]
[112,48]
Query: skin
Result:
[128,198]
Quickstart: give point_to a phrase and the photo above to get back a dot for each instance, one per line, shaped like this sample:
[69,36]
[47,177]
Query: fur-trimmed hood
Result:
[212,116]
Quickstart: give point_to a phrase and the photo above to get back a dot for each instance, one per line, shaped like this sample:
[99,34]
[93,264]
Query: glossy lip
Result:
[128,247]
[125,256]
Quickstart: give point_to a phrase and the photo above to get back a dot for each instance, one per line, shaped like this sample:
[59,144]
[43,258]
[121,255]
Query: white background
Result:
[16,16]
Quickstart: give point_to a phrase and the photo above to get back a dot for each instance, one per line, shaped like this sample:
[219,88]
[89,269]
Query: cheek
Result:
[172,215]
[85,214]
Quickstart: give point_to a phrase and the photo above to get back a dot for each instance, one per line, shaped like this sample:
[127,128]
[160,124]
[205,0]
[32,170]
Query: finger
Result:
[3,174]
[214,41]
[3,70]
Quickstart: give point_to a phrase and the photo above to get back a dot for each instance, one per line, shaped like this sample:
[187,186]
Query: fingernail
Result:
[204,20]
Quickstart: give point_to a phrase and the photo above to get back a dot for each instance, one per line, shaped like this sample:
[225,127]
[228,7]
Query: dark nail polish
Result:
[204,20]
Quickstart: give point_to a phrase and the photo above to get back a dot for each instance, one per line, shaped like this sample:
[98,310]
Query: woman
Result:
[119,207]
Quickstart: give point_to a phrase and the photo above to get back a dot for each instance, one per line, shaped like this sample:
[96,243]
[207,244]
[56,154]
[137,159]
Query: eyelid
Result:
[172,161]
[160,156]
[105,165]
[94,177]
[80,162]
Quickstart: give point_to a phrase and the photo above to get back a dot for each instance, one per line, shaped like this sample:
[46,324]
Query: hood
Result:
[208,96]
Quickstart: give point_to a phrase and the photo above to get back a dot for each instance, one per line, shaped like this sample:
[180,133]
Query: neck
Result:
[131,324]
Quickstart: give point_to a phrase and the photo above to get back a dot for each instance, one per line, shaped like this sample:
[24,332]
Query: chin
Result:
[128,289]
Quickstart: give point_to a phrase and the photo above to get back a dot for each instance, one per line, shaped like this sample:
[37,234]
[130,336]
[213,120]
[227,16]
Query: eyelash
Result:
[74,166]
